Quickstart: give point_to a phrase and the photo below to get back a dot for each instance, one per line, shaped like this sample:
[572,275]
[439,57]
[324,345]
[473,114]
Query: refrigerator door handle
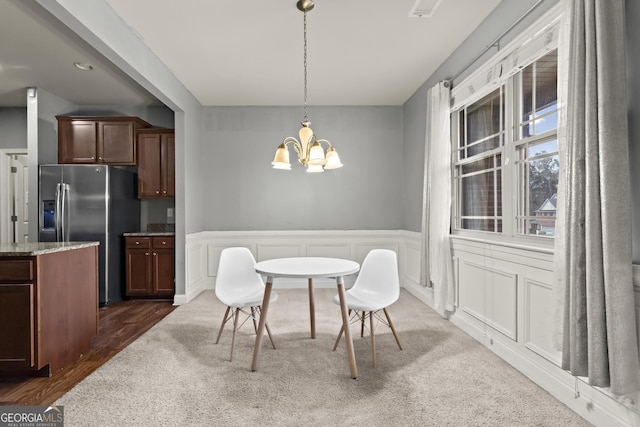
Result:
[64,202]
[58,212]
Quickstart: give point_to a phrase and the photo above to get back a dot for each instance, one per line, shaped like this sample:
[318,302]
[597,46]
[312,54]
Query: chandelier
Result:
[309,148]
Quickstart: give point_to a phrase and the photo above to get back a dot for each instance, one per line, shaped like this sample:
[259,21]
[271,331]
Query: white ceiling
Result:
[228,52]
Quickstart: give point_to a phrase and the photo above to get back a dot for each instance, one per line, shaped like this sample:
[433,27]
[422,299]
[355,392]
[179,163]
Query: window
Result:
[506,162]
[479,177]
[537,147]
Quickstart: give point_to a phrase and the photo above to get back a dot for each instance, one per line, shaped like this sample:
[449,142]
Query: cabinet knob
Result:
[157,192]
[154,254]
[164,243]
[137,242]
[146,253]
[93,158]
[165,191]
[99,158]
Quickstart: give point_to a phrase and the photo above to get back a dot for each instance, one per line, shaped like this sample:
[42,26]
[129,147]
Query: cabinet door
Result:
[17,326]
[77,141]
[138,271]
[163,283]
[149,178]
[116,143]
[168,166]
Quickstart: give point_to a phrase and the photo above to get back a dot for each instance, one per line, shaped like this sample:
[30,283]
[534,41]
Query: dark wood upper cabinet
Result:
[106,140]
[156,163]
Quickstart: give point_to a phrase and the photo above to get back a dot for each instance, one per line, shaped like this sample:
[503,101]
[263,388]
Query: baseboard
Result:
[422,293]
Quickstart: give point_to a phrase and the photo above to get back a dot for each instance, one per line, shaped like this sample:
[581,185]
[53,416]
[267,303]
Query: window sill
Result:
[545,247]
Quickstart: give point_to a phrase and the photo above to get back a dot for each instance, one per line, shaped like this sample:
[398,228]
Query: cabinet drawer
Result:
[138,242]
[20,270]
[163,242]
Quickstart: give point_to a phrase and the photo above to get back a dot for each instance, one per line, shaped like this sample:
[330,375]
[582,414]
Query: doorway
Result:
[14,196]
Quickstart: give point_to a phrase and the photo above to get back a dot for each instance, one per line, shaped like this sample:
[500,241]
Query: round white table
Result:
[309,268]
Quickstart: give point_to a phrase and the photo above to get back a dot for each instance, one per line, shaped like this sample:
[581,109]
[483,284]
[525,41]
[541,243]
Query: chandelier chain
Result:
[305,67]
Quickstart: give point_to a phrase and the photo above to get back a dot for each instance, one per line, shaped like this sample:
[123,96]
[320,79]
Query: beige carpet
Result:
[176,375]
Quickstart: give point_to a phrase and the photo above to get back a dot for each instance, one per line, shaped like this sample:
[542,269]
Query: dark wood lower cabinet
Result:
[150,266]
[48,310]
[17,308]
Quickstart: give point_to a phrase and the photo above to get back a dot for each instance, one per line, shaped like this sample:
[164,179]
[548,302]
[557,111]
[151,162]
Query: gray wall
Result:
[13,127]
[49,106]
[242,191]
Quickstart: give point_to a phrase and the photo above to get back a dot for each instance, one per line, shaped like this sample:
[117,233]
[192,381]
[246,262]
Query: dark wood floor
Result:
[119,325]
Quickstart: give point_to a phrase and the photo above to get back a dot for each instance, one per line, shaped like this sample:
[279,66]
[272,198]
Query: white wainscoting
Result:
[203,252]
[505,301]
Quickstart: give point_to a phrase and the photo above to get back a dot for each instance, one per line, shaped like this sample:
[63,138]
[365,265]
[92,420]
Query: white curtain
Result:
[593,276]
[436,250]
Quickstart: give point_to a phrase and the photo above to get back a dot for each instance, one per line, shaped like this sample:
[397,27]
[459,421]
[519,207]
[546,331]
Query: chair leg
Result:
[392,328]
[338,339]
[340,335]
[373,339]
[224,321]
[266,325]
[362,324]
[253,317]
[235,328]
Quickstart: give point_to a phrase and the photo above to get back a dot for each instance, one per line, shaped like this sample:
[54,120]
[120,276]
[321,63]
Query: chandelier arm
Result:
[296,145]
[324,140]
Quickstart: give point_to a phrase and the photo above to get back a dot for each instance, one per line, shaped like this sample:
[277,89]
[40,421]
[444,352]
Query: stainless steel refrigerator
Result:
[91,203]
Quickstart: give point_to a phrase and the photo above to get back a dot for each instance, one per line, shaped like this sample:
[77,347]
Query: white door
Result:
[20,198]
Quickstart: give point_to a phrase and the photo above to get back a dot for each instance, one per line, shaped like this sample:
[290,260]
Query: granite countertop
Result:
[40,248]
[149,233]
[154,229]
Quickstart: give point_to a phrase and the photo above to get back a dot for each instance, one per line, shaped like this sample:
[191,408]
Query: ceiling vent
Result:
[424,8]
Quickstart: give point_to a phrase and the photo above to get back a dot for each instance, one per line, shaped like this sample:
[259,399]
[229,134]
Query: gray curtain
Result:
[599,329]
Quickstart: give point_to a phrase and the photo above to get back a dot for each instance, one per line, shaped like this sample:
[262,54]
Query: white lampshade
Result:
[316,154]
[333,160]
[281,159]
[314,168]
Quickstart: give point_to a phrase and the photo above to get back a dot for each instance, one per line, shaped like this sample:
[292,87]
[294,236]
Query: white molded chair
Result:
[376,288]
[238,286]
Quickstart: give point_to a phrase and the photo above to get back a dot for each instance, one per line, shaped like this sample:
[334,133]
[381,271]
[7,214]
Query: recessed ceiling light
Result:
[84,66]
